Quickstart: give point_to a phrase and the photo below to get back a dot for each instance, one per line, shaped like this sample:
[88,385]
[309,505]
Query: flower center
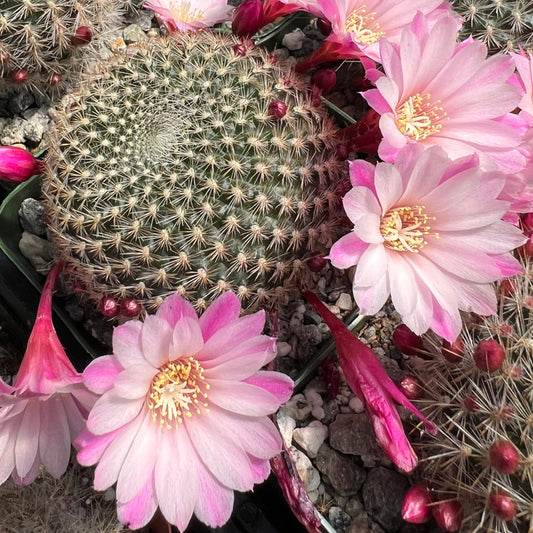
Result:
[362,24]
[404,228]
[418,117]
[177,390]
[184,12]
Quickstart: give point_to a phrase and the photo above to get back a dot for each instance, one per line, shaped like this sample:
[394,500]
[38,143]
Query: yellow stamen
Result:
[178,390]
[405,228]
[184,12]
[363,26]
[418,117]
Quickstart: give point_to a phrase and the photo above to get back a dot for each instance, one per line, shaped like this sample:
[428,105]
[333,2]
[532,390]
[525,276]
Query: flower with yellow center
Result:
[363,25]
[418,118]
[182,10]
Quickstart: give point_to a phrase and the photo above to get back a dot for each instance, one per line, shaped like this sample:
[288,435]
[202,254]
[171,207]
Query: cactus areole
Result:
[167,172]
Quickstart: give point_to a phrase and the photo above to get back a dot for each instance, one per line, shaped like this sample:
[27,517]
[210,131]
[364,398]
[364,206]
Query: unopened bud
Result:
[324,26]
[19,76]
[239,49]
[55,79]
[527,248]
[416,505]
[504,457]
[277,108]
[130,307]
[448,515]
[411,387]
[4,58]
[316,263]
[527,223]
[109,307]
[502,505]
[408,342]
[489,356]
[247,18]
[83,35]
[325,79]
[471,404]
[453,351]
[17,164]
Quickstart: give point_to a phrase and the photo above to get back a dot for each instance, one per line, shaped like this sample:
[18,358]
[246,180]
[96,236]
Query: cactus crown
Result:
[171,171]
[474,410]
[36,37]
[501,25]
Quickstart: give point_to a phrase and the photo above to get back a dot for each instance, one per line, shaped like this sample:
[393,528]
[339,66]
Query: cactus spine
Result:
[193,164]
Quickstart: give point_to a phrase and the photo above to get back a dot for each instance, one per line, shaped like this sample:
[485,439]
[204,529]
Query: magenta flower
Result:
[17,164]
[438,92]
[45,409]
[375,389]
[428,232]
[182,421]
[189,15]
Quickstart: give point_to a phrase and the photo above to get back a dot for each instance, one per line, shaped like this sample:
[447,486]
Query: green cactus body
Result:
[474,409]
[501,25]
[36,37]
[167,171]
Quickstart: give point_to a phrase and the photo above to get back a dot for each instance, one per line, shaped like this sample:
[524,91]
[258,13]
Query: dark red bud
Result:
[527,249]
[453,351]
[489,356]
[502,505]
[55,79]
[416,505]
[527,223]
[248,18]
[277,108]
[324,26]
[239,49]
[4,58]
[411,387]
[130,307]
[342,151]
[408,342]
[504,457]
[109,307]
[360,84]
[83,35]
[507,287]
[448,515]
[19,76]
[470,403]
[316,263]
[325,79]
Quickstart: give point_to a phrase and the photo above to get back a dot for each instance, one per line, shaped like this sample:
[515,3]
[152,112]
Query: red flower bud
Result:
[411,387]
[130,307]
[527,223]
[316,262]
[504,457]
[239,49]
[527,249]
[453,351]
[109,307]
[55,79]
[248,18]
[408,342]
[507,287]
[17,164]
[489,356]
[83,35]
[502,505]
[277,108]
[324,26]
[470,403]
[4,58]
[416,505]
[448,515]
[19,76]
[325,79]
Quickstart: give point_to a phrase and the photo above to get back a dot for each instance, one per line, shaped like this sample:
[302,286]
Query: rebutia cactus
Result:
[501,25]
[194,164]
[41,41]
[479,392]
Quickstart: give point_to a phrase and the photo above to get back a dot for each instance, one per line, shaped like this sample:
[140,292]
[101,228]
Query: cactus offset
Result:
[501,25]
[169,171]
[483,454]
[36,40]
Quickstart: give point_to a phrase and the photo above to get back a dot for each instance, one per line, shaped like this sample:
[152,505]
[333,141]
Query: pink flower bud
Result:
[411,387]
[408,342]
[277,108]
[416,505]
[239,49]
[504,457]
[130,307]
[17,164]
[453,351]
[4,58]
[489,356]
[19,76]
[324,26]
[448,515]
[507,287]
[325,79]
[502,505]
[317,262]
[248,18]
[471,404]
[527,223]
[109,307]
[83,35]
[55,79]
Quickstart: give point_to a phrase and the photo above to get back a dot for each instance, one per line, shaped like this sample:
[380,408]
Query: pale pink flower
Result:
[438,92]
[183,417]
[524,80]
[45,409]
[427,232]
[190,15]
[375,389]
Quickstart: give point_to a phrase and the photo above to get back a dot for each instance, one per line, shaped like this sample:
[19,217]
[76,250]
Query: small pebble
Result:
[313,397]
[284,348]
[311,437]
[318,412]
[344,302]
[356,405]
[293,40]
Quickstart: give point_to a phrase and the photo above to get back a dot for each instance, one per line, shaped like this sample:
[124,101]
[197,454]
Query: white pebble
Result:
[284,348]
[318,412]
[356,405]
[313,397]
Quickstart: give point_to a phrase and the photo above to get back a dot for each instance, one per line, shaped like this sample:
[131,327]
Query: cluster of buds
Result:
[110,307]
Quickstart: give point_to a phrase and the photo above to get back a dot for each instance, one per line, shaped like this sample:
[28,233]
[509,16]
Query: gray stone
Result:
[38,251]
[359,524]
[331,410]
[133,34]
[310,317]
[338,519]
[284,348]
[354,506]
[307,472]
[356,405]
[344,302]
[298,407]
[344,475]
[318,412]
[31,216]
[144,19]
[383,494]
[20,102]
[311,437]
[293,40]
[312,396]
[312,334]
[353,434]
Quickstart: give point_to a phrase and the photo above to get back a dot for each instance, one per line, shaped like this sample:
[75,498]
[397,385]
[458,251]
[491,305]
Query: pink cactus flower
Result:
[428,232]
[45,409]
[438,92]
[375,389]
[524,80]
[17,164]
[188,15]
[183,417]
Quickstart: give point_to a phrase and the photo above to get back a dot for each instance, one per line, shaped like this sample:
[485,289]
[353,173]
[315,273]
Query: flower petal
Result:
[137,512]
[100,375]
[347,251]
[278,384]
[224,310]
[28,438]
